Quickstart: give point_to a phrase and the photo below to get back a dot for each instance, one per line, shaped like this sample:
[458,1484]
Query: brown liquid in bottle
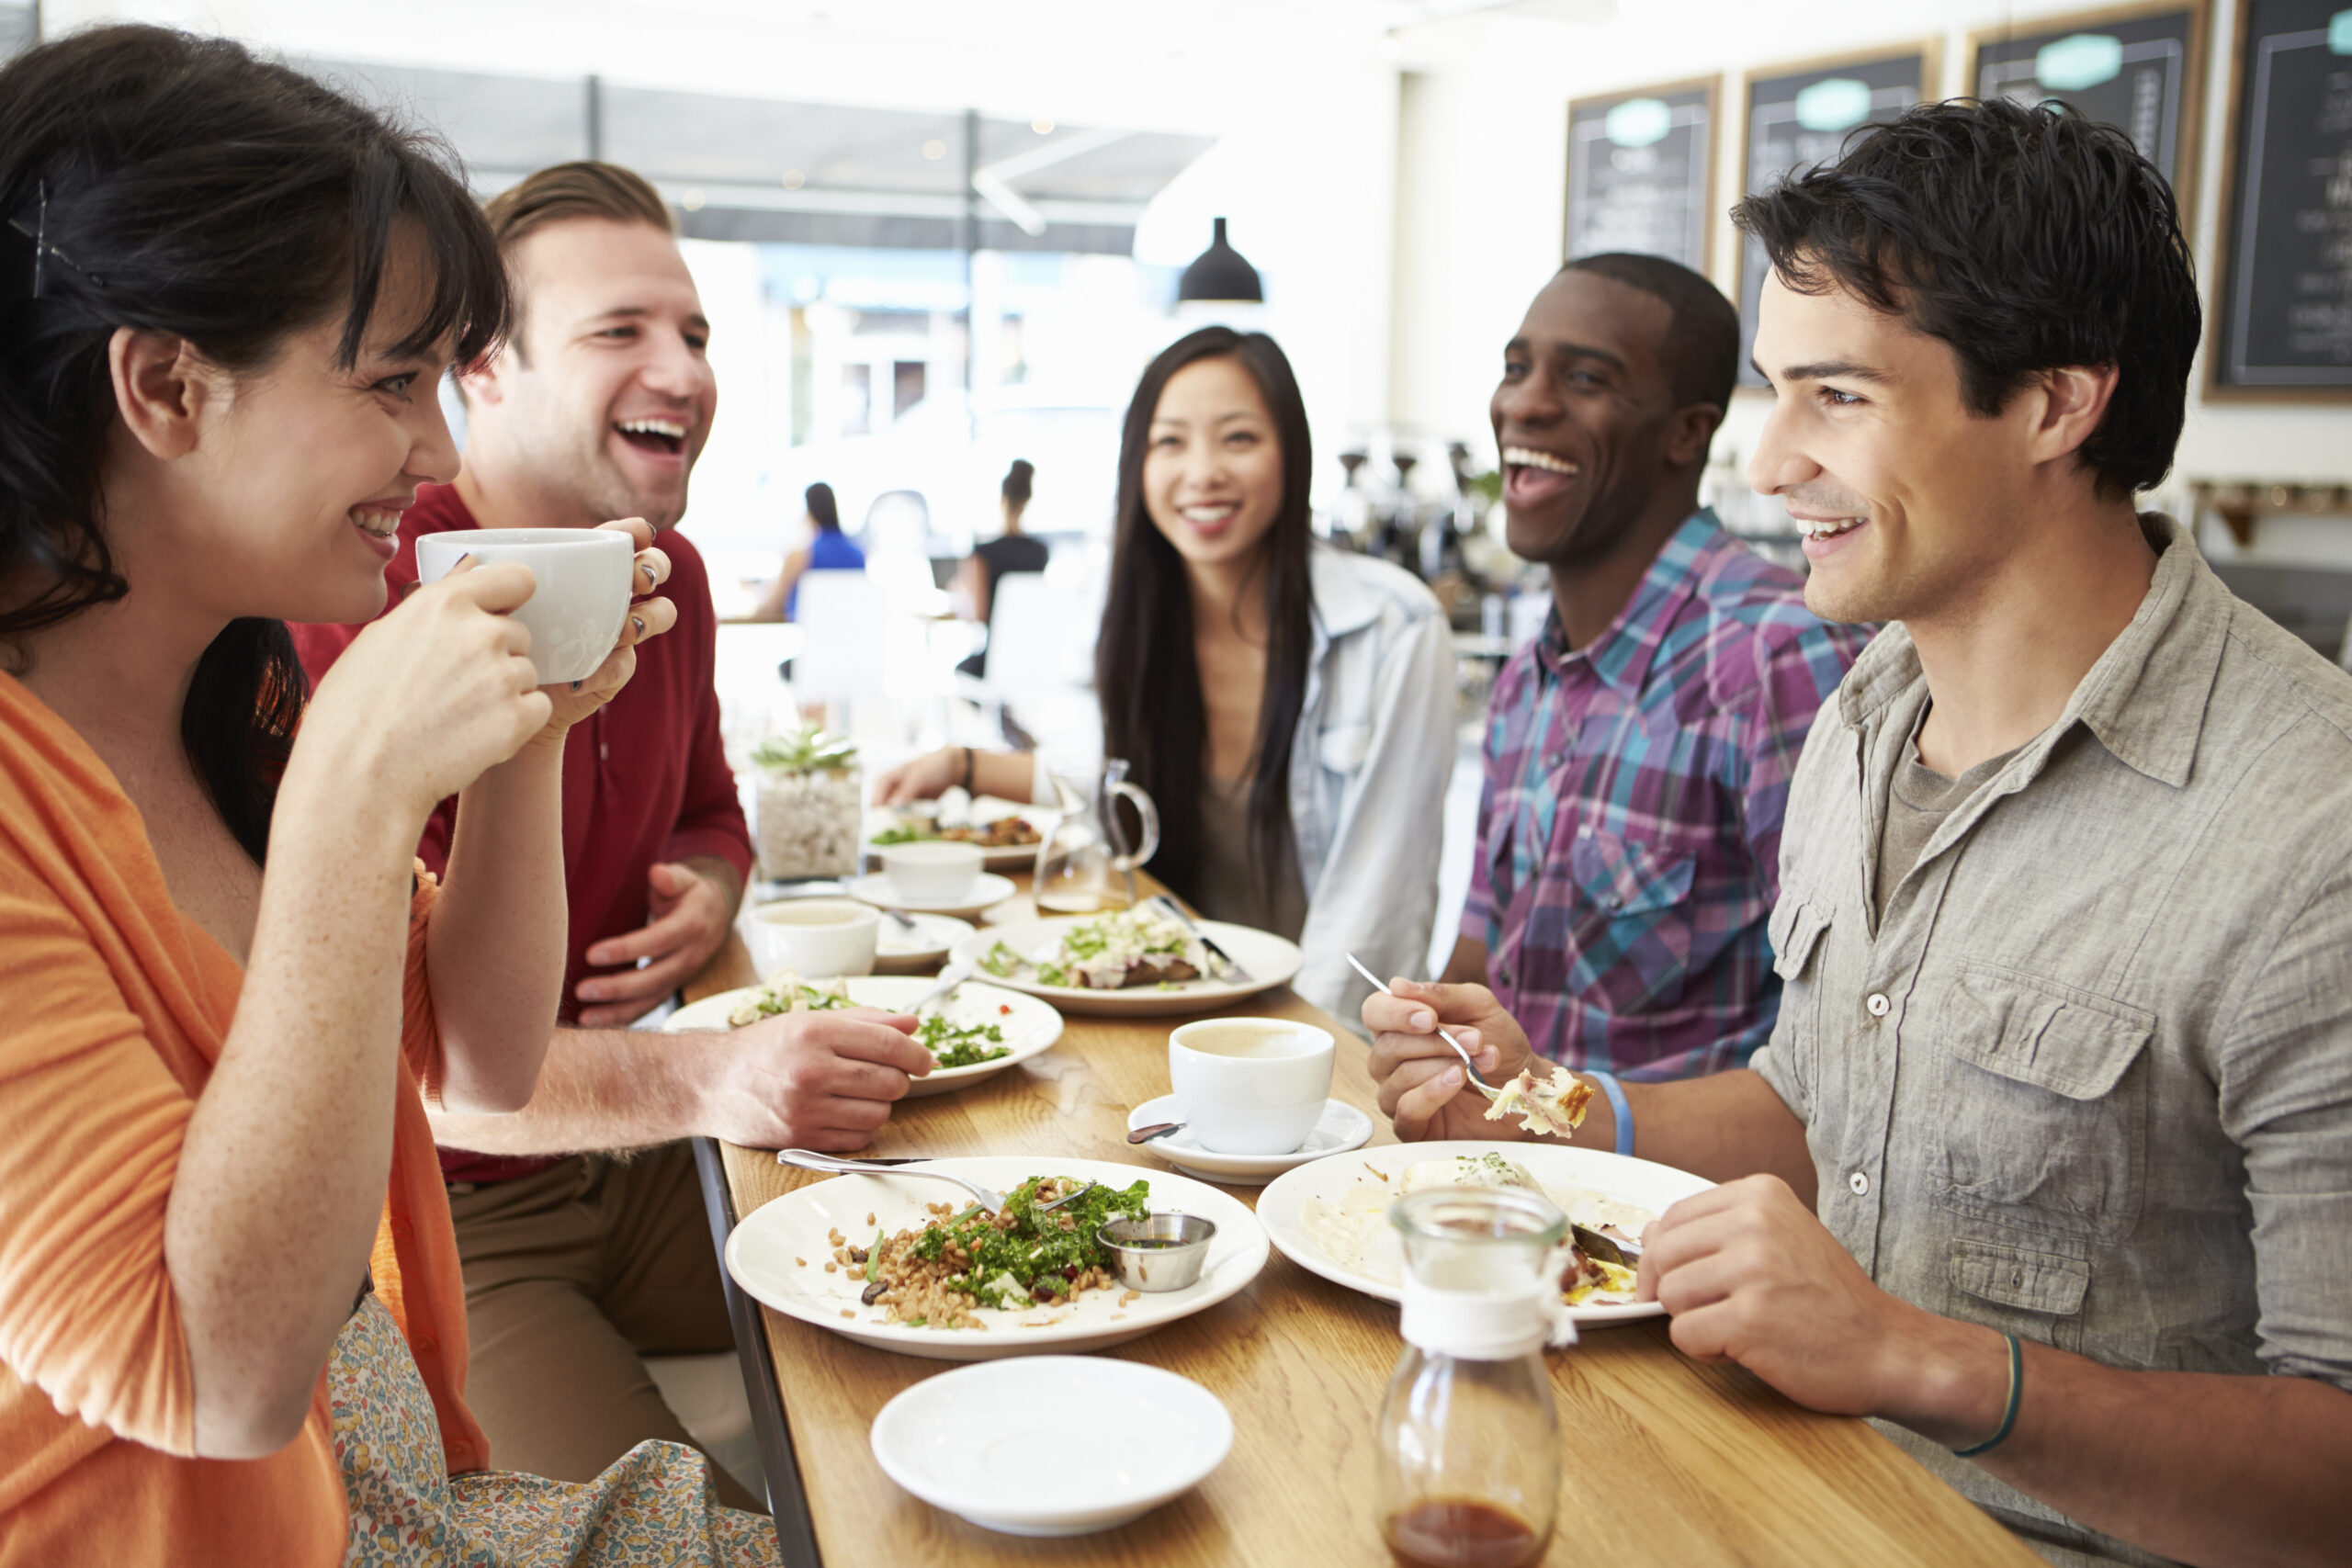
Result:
[1458,1533]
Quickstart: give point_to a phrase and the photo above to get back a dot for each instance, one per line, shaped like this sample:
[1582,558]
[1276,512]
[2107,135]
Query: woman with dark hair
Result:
[1012,551]
[1288,706]
[829,551]
[231,1323]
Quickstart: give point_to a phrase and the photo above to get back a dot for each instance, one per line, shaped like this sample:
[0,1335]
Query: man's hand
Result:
[689,915]
[812,1080]
[1420,1079]
[1751,1274]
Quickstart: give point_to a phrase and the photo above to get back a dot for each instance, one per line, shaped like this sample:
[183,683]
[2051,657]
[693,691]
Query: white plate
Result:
[897,952]
[1052,1445]
[1269,960]
[1341,1128]
[874,888]
[1030,1026]
[761,1256]
[1282,1207]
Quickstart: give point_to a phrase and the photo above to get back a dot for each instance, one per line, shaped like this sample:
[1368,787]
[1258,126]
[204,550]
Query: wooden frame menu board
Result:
[2281,323]
[1642,173]
[2138,68]
[1797,116]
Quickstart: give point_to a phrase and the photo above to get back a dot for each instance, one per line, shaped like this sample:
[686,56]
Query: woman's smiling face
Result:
[1213,472]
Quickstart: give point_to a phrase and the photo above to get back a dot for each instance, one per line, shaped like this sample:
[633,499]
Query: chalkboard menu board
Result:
[2282,316]
[2136,69]
[1641,174]
[1801,116]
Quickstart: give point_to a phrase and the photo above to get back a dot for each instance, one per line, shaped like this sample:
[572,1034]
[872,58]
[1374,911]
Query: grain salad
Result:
[939,1274]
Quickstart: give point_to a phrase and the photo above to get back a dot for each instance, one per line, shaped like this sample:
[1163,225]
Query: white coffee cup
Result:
[932,873]
[1250,1086]
[818,939]
[584,575]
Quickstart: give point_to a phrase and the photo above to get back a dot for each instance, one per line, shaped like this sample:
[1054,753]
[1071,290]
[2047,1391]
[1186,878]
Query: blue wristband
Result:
[1616,1093]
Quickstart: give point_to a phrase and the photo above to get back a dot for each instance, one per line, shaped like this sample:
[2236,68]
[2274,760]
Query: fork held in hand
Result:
[1469,1067]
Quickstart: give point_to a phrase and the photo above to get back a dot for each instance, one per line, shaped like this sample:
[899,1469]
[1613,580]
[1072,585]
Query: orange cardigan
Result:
[113,1008]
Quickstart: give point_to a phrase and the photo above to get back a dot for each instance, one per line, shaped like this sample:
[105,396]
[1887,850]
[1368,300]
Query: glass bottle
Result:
[1469,1442]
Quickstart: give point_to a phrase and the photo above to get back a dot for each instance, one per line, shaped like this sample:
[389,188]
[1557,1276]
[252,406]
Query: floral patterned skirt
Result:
[654,1505]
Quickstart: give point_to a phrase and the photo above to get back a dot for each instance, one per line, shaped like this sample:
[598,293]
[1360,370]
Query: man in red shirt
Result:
[577,1263]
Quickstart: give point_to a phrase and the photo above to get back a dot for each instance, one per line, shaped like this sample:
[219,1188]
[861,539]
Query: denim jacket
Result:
[1368,769]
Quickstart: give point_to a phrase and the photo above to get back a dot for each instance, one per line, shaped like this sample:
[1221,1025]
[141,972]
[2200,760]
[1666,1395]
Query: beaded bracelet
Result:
[2009,1415]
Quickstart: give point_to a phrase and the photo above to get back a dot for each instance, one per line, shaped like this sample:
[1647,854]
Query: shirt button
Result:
[1878,1004]
[1859,1183]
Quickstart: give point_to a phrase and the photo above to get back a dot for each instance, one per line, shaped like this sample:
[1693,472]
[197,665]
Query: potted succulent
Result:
[808,806]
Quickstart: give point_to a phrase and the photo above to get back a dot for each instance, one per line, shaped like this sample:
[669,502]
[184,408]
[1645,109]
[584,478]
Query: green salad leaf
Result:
[1021,1253]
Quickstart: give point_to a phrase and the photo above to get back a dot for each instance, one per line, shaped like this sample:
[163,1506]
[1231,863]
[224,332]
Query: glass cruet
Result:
[1089,843]
[1469,1442]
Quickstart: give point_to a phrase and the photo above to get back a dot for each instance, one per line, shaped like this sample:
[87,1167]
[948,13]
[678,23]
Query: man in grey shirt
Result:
[2048,1164]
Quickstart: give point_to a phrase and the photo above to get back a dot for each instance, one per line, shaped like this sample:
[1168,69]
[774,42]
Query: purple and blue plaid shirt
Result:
[1629,827]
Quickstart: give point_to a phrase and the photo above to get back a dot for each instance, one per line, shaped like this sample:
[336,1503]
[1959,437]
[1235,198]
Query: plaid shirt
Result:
[1629,826]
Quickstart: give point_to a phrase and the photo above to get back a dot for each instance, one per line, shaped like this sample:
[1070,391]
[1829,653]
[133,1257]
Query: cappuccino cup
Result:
[1250,1086]
[818,938]
[583,575]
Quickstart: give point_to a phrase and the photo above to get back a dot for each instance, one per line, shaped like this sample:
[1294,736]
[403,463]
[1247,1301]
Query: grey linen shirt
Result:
[2088,1080]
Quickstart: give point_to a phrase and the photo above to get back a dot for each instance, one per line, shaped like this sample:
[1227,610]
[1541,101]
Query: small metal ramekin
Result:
[1159,1252]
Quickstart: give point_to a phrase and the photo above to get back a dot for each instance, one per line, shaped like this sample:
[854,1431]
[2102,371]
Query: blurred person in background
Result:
[1010,551]
[576,1263]
[1638,751]
[230,1310]
[1289,706]
[829,549]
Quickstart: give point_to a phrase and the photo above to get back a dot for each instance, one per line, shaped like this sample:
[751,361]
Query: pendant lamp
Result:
[1219,273]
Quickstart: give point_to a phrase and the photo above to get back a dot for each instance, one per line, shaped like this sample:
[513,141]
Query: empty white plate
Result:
[1341,1127]
[1052,1445]
[901,952]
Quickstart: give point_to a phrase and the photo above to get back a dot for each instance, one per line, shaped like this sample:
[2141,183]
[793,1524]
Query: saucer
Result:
[1341,1128]
[899,952]
[874,888]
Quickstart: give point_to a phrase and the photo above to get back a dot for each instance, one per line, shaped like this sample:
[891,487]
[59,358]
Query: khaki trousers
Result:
[570,1275]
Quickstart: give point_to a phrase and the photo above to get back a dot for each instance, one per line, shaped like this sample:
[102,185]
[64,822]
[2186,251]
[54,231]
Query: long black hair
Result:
[176,185]
[819,498]
[1145,669]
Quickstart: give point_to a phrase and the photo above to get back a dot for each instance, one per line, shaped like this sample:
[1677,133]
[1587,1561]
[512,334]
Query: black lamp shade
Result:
[1220,273]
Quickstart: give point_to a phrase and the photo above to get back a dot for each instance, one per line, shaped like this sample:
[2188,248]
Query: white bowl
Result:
[818,938]
[932,873]
[1052,1445]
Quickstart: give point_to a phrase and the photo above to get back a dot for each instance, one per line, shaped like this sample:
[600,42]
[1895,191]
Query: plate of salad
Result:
[903,1263]
[1006,835]
[1134,962]
[979,1031]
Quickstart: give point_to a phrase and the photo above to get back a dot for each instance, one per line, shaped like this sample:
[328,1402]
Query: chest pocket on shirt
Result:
[1632,920]
[1341,748]
[2044,1104]
[1795,928]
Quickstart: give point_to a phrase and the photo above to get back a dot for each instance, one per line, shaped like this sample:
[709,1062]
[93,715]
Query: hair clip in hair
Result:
[37,233]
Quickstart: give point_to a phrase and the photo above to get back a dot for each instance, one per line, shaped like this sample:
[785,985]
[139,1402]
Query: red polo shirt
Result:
[645,780]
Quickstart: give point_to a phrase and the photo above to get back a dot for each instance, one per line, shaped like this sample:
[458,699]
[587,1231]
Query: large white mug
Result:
[584,575]
[818,938]
[1249,1086]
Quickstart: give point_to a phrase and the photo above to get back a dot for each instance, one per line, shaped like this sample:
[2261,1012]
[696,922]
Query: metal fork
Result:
[987,1198]
[1469,1067]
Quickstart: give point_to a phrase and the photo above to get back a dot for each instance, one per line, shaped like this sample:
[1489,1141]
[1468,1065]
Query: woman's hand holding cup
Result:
[648,617]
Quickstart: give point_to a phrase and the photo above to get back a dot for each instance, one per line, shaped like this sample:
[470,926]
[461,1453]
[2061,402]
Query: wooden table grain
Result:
[1663,1460]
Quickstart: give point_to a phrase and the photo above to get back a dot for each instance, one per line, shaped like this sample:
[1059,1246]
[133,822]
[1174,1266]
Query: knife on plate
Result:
[895,1159]
[1232,974]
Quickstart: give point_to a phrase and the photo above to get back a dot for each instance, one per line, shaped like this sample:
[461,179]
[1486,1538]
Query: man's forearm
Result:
[599,1089]
[729,881]
[2204,1466]
[1722,1127]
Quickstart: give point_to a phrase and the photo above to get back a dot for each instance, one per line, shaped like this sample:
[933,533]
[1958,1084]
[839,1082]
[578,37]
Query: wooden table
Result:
[1663,1460]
